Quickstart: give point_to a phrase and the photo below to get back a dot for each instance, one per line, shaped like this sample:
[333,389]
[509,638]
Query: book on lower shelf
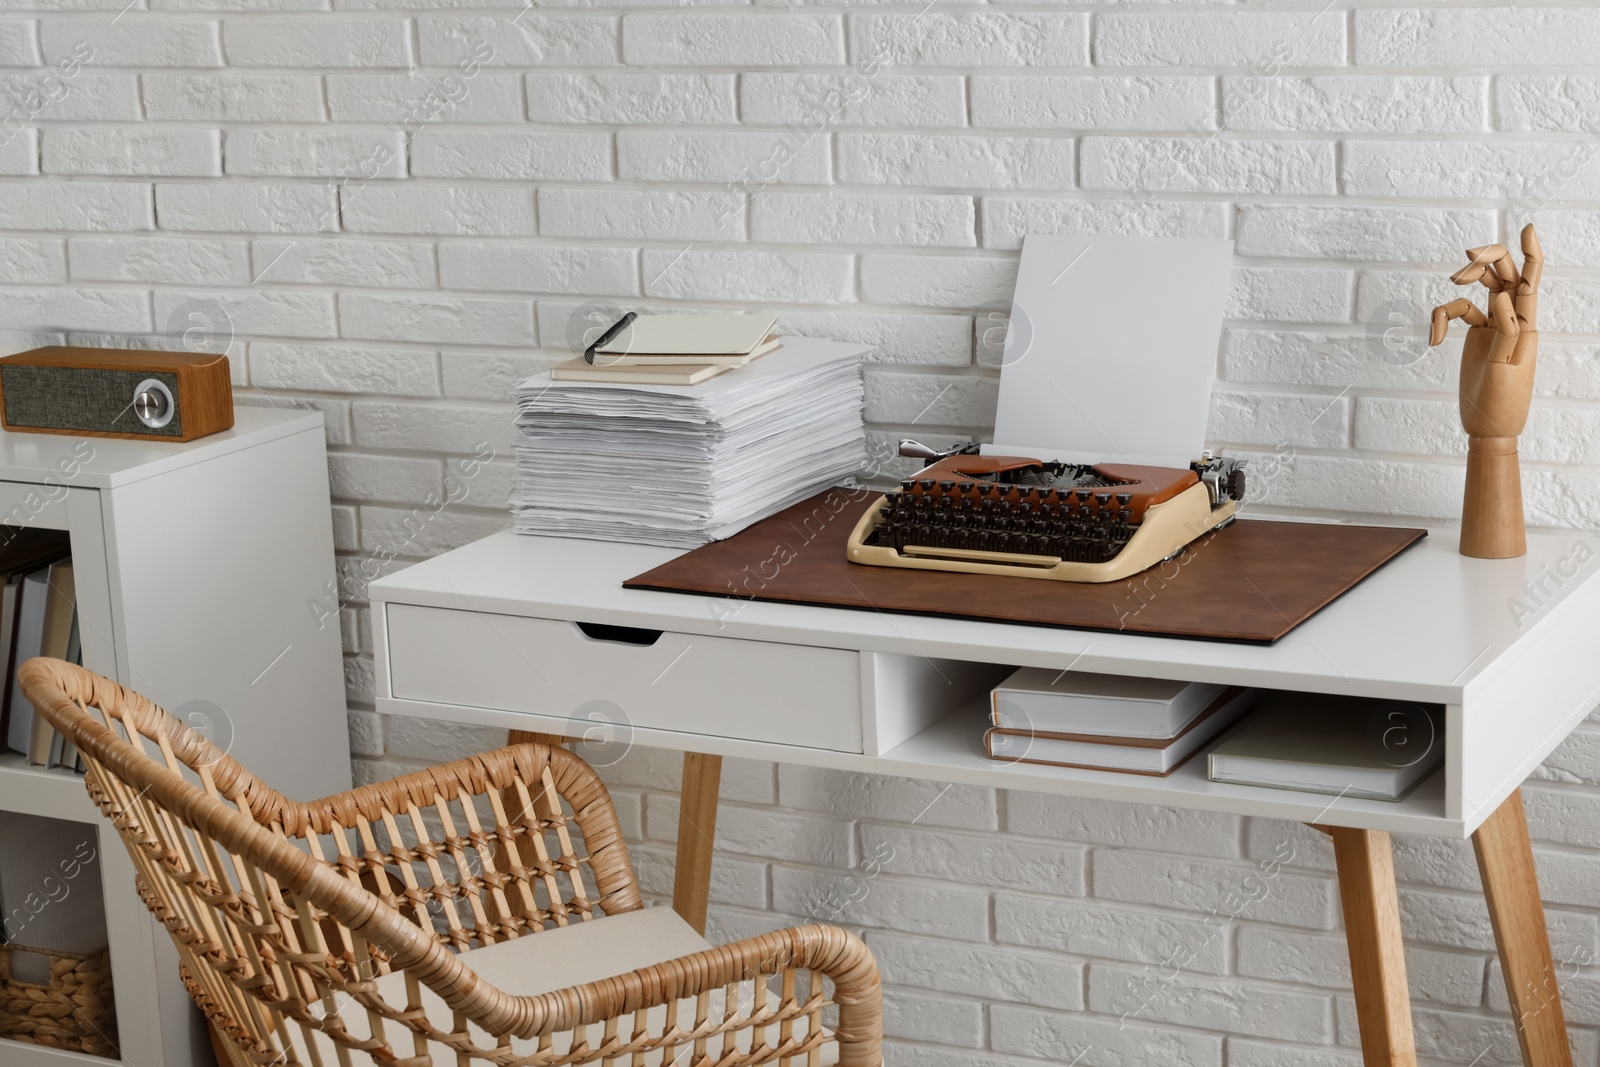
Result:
[1344,746]
[1078,702]
[37,588]
[60,609]
[1127,753]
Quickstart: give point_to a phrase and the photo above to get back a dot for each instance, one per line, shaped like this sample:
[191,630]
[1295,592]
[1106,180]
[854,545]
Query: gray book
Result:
[1346,746]
[29,638]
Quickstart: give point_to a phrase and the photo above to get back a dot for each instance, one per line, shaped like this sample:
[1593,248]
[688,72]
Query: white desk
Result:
[488,634]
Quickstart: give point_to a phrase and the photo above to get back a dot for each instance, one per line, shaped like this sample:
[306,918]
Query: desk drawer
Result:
[757,690]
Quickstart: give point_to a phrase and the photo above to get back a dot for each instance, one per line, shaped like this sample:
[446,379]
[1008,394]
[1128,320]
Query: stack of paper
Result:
[683,465]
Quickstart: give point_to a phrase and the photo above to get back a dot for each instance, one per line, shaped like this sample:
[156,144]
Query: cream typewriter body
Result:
[1036,519]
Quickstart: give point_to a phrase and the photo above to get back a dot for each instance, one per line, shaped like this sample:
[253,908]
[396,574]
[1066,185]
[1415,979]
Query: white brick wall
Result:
[402,206]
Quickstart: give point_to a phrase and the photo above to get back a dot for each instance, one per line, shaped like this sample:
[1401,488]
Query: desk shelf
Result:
[952,750]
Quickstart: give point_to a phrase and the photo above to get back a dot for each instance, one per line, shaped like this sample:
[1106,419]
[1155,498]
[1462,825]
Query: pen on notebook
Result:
[605,338]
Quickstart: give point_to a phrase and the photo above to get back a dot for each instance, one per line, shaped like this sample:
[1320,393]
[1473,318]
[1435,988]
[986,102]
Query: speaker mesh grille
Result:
[80,398]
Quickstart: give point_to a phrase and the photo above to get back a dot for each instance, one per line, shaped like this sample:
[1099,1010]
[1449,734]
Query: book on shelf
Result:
[22,550]
[70,757]
[45,746]
[1346,746]
[1077,702]
[27,637]
[665,340]
[1130,754]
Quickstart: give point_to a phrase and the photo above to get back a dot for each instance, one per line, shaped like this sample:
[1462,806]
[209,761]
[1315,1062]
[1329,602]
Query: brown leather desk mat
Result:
[1251,582]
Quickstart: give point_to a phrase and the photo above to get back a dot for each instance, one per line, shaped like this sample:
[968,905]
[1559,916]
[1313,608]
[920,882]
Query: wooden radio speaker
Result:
[111,392]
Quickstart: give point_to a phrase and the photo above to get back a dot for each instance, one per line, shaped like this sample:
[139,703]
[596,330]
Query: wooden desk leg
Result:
[1505,863]
[528,737]
[1377,961]
[697,832]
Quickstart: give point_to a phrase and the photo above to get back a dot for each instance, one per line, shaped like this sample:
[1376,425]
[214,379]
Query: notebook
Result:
[1377,749]
[691,335]
[1077,702]
[577,370]
[1136,755]
[695,359]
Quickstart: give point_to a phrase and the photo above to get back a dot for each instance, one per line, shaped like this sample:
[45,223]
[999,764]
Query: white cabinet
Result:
[205,580]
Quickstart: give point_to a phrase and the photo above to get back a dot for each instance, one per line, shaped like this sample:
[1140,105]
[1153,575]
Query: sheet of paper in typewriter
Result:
[1111,349]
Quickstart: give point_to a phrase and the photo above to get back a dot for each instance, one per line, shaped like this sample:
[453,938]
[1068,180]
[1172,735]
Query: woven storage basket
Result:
[75,1011]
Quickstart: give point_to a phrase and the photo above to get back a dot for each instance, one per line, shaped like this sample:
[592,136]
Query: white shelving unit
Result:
[205,581]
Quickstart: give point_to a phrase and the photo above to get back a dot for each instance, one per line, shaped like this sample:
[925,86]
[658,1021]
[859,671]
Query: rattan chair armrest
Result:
[471,776]
[827,950]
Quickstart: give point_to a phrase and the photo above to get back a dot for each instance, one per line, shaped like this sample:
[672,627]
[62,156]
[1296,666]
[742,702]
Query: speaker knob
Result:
[153,404]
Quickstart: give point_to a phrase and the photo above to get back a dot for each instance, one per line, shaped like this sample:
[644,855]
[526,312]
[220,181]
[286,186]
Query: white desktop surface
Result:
[1431,625]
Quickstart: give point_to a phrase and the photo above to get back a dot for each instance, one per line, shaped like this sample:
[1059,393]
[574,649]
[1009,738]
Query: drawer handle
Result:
[625,635]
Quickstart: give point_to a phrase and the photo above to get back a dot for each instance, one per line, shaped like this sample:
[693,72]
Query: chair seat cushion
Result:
[543,963]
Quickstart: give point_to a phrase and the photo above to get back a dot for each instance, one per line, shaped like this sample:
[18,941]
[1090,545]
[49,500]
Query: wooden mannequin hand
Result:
[1496,388]
[1502,348]
[1495,395]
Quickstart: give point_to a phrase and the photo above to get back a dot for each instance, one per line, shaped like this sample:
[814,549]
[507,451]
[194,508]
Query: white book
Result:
[1075,702]
[1135,755]
[35,593]
[685,359]
[1375,749]
[576,370]
[706,335]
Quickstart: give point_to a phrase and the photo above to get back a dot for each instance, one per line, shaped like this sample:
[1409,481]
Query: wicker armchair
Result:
[390,924]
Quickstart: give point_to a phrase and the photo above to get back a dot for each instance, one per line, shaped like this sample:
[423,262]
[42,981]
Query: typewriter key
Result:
[1124,499]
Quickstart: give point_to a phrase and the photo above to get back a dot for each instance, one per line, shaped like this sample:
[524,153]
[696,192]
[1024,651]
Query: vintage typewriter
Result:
[1036,519]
